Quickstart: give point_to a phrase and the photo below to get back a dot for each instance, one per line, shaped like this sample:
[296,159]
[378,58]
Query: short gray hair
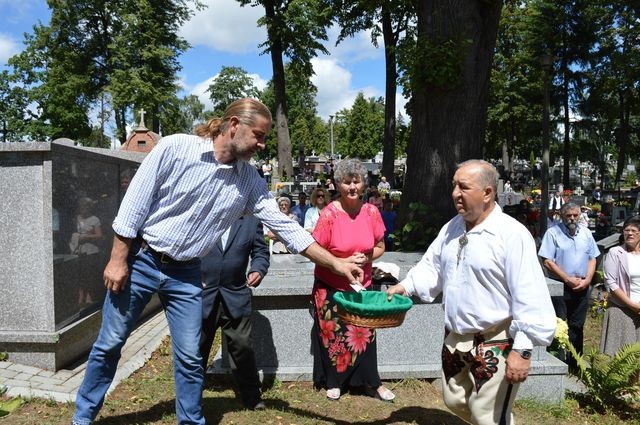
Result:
[487,173]
[284,199]
[569,206]
[350,168]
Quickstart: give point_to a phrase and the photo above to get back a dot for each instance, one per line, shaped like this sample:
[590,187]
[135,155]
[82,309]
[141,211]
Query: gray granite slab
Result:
[282,327]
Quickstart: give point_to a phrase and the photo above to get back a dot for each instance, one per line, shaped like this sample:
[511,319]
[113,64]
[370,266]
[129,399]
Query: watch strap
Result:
[525,353]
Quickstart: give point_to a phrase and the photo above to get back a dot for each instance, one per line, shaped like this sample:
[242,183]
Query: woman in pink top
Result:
[345,355]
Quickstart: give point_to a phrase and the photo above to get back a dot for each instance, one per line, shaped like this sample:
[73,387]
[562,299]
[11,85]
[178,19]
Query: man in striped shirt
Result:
[187,191]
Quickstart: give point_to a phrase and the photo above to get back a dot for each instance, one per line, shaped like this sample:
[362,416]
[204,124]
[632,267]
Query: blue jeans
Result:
[180,291]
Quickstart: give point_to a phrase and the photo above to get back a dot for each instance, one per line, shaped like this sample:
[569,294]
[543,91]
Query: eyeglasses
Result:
[319,195]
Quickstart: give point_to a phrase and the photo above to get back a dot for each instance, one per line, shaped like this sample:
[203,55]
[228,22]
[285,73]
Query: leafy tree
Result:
[144,58]
[515,97]
[179,115]
[566,30]
[56,79]
[230,84]
[615,75]
[294,28]
[96,138]
[320,141]
[364,128]
[447,71]
[126,49]
[403,136]
[14,112]
[389,19]
[302,119]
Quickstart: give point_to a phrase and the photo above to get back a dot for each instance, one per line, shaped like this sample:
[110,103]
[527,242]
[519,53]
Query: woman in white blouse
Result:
[319,200]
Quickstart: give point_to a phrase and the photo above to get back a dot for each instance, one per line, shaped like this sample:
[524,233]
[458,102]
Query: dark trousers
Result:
[237,335]
[573,307]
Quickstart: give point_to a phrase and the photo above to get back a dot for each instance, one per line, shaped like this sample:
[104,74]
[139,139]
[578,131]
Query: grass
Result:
[147,397]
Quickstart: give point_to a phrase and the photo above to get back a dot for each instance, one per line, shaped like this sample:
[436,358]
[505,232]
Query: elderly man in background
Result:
[569,253]
[496,302]
[384,185]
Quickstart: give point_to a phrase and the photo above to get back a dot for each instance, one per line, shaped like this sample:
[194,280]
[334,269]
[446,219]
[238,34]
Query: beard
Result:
[571,225]
[239,153]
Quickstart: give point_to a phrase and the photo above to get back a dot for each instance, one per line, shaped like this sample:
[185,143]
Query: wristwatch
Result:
[524,353]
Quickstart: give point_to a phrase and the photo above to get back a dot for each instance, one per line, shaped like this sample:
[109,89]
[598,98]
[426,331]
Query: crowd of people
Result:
[191,229]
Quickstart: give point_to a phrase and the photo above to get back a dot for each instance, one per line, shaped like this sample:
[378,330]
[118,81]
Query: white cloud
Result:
[225,26]
[8,48]
[259,82]
[401,101]
[335,90]
[353,49]
[200,89]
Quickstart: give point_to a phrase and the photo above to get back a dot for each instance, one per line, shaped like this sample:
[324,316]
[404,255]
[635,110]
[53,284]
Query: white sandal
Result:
[381,393]
[385,394]
[333,393]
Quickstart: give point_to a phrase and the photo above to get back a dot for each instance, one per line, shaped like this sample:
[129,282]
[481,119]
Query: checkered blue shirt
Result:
[182,200]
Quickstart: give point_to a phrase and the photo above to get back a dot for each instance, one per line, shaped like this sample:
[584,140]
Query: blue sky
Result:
[225,34]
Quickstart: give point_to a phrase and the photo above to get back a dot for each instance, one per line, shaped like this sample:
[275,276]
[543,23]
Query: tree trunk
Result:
[389,138]
[285,161]
[566,151]
[121,124]
[623,136]
[449,120]
[505,158]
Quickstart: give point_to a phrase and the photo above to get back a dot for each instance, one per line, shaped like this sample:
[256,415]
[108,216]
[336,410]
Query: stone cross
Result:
[142,112]
[578,191]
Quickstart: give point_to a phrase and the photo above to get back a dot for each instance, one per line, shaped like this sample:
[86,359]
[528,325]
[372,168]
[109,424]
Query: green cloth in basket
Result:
[372,303]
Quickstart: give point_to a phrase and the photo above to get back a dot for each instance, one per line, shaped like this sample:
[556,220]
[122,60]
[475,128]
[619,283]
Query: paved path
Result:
[62,386]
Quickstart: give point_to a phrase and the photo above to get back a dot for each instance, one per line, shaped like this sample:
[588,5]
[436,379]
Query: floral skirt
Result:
[344,355]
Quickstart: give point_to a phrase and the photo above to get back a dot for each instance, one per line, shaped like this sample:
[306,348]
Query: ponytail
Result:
[244,109]
[212,128]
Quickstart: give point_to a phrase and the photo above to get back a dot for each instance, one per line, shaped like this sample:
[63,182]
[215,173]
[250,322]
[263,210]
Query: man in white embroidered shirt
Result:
[186,193]
[496,302]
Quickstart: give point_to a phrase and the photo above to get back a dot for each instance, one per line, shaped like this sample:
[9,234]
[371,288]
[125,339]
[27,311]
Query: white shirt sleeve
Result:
[265,208]
[424,279]
[533,317]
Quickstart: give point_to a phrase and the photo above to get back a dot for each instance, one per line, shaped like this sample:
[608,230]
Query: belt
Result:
[164,258]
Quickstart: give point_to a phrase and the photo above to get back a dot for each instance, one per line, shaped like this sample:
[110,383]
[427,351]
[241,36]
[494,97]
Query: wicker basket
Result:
[371,309]
[377,322]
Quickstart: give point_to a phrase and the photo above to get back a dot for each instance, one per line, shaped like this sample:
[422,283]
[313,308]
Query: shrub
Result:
[609,380]
[417,233]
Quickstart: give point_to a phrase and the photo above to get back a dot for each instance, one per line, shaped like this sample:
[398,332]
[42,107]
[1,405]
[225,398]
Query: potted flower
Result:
[395,196]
